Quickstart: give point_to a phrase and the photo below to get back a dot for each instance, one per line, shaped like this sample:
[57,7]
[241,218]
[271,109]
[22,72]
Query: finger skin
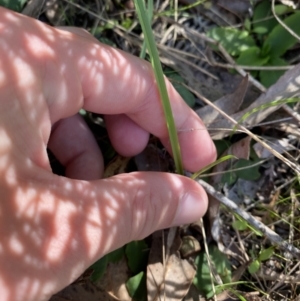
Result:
[62,226]
[137,96]
[52,228]
[127,138]
[74,146]
[74,71]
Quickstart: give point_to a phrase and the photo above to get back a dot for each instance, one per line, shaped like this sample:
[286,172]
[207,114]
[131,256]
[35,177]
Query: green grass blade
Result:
[150,15]
[152,49]
[262,107]
[208,167]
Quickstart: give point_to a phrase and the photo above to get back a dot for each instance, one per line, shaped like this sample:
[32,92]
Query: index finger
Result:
[76,71]
[114,82]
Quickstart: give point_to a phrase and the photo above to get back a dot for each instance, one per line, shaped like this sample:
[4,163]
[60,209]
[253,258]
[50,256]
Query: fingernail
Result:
[191,207]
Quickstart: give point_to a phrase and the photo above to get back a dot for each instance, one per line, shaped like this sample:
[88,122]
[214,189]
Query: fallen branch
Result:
[270,234]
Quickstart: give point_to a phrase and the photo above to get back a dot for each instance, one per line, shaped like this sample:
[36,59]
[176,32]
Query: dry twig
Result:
[270,234]
[282,23]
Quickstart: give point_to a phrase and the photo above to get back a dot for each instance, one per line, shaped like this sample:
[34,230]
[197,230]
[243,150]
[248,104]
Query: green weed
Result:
[262,42]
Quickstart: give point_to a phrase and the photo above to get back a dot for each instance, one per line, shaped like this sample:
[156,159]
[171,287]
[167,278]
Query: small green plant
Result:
[262,41]
[241,225]
[262,256]
[137,287]
[137,257]
[208,167]
[202,280]
[136,253]
[242,169]
[99,267]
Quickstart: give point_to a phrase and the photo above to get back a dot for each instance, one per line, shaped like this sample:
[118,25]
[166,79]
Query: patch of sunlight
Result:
[16,245]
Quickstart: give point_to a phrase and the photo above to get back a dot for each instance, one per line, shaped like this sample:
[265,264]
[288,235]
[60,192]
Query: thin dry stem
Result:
[292,165]
[270,234]
[282,23]
[240,70]
[209,262]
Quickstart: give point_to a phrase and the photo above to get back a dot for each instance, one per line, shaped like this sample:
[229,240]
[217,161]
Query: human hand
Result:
[52,228]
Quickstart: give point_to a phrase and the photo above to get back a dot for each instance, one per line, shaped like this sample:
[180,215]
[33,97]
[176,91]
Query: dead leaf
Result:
[280,145]
[171,283]
[287,86]
[114,280]
[243,191]
[229,104]
[116,166]
[190,246]
[238,7]
[178,278]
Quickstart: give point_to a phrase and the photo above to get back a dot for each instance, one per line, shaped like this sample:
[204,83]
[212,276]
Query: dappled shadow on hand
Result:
[53,228]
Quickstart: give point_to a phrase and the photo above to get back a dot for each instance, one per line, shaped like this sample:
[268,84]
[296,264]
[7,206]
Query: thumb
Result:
[53,228]
[129,207]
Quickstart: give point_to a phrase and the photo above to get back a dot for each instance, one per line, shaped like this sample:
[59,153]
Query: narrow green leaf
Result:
[99,268]
[137,288]
[237,294]
[137,255]
[279,39]
[257,232]
[208,167]
[263,21]
[152,49]
[264,106]
[150,16]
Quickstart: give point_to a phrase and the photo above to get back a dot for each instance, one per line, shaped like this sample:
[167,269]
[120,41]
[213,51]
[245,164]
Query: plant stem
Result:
[152,49]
